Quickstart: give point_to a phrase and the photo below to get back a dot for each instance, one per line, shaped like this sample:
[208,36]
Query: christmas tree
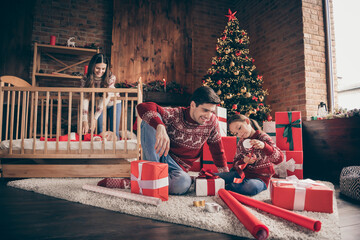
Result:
[233,74]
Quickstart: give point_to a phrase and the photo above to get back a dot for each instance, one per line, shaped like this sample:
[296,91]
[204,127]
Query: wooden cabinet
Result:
[329,146]
[55,52]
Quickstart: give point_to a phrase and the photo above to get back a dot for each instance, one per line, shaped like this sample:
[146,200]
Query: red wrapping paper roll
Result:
[251,223]
[301,220]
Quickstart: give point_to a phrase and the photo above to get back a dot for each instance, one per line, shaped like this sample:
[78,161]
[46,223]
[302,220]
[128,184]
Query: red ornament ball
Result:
[234,106]
[218,82]
[269,118]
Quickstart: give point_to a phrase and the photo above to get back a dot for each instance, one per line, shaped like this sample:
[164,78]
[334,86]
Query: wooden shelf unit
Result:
[50,50]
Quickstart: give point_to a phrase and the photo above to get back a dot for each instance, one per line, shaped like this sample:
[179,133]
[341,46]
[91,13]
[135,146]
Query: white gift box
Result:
[221,114]
[208,187]
[270,129]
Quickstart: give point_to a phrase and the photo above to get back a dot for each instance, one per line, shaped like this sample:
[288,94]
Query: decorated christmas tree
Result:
[233,74]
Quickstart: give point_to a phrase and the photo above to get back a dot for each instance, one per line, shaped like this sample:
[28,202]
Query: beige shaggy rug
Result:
[180,210]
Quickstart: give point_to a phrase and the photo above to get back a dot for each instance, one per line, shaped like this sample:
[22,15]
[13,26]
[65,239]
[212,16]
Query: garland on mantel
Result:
[155,86]
[340,113]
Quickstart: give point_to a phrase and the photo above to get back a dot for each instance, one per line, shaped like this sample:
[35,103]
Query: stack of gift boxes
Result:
[292,192]
[288,137]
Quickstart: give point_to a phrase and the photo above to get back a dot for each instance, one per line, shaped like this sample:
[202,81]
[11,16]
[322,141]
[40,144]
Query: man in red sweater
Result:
[176,136]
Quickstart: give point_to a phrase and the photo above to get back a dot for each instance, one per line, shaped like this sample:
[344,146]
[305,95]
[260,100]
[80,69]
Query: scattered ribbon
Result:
[288,130]
[200,203]
[208,174]
[282,168]
[212,207]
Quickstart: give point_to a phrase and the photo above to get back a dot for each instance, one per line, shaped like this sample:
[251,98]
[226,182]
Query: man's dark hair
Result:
[204,95]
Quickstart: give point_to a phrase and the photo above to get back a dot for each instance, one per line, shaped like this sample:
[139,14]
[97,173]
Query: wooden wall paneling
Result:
[151,39]
[16,19]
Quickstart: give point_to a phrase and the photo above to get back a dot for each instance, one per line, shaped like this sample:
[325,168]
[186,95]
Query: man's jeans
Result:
[179,180]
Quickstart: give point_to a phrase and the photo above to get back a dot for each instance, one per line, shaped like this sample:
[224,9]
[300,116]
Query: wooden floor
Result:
[28,215]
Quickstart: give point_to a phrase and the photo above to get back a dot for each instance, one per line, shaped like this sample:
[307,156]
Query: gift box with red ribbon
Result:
[208,184]
[288,131]
[230,150]
[291,165]
[270,129]
[150,179]
[294,194]
[221,114]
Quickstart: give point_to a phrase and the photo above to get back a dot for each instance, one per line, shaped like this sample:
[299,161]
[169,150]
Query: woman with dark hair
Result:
[99,76]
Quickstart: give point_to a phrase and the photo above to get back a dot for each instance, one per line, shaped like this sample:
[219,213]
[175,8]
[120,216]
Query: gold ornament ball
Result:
[261,98]
[227,51]
[243,89]
[222,102]
[228,85]
[218,92]
[232,64]
[236,73]
[248,95]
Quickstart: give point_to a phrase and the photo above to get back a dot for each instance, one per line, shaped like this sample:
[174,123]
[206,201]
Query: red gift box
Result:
[196,167]
[150,179]
[295,194]
[291,165]
[230,150]
[288,131]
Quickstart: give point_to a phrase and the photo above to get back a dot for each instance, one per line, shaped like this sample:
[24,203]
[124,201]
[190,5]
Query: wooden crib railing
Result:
[35,112]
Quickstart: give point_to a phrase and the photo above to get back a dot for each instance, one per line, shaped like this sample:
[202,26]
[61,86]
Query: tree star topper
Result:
[231,15]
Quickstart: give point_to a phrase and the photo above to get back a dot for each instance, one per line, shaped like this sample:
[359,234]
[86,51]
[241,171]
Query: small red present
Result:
[196,167]
[295,194]
[150,179]
[230,150]
[208,184]
[291,165]
[288,131]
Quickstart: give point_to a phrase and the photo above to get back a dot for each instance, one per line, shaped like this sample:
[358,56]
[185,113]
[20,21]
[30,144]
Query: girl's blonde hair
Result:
[242,118]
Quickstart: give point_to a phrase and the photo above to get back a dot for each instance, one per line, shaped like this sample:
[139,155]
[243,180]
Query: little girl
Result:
[255,163]
[99,76]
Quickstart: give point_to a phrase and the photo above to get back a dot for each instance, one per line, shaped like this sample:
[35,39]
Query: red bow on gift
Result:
[208,174]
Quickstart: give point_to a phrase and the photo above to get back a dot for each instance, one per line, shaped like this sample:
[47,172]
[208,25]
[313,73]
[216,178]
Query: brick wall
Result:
[315,55]
[209,22]
[89,21]
[287,40]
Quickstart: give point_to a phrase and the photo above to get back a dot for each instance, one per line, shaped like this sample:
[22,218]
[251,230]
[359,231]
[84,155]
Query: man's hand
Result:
[162,144]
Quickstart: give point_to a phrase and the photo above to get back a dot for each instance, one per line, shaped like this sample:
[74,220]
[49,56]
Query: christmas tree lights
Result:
[233,74]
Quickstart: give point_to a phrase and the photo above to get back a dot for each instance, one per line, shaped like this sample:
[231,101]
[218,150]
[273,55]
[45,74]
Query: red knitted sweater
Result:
[187,137]
[263,167]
